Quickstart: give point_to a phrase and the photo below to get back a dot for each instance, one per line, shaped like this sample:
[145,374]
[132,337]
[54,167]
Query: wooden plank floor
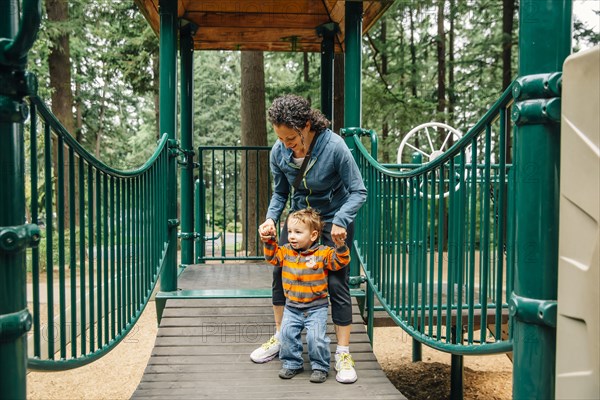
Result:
[203,345]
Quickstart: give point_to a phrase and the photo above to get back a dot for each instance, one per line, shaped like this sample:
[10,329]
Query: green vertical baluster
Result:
[201,201]
[148,241]
[472,239]
[460,245]
[422,270]
[485,227]
[82,274]
[137,236]
[405,245]
[224,237]
[246,189]
[113,282]
[106,244]
[152,189]
[235,205]
[128,244]
[440,250]
[376,255]
[120,278]
[98,254]
[72,252]
[60,208]
[92,205]
[501,222]
[212,191]
[49,236]
[143,237]
[451,248]
[35,252]
[432,224]
[388,234]
[393,246]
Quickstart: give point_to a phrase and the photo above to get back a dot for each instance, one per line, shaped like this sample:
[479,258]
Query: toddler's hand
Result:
[338,235]
[339,243]
[267,230]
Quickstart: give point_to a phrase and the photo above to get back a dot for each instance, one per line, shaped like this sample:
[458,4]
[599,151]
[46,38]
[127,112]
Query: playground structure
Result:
[462,251]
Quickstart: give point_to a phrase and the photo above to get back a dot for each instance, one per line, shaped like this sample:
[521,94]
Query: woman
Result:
[330,183]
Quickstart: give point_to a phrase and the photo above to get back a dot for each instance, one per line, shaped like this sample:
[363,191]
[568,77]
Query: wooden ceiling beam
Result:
[273,24]
[204,19]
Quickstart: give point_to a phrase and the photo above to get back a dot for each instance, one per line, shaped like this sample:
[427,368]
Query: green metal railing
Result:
[104,240]
[435,241]
[231,199]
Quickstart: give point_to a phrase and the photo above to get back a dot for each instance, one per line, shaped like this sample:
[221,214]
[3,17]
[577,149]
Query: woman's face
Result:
[291,138]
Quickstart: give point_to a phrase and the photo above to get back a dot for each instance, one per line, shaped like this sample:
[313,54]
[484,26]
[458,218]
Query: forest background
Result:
[425,60]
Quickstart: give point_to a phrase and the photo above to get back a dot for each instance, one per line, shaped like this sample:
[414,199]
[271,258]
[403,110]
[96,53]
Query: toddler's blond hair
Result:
[309,217]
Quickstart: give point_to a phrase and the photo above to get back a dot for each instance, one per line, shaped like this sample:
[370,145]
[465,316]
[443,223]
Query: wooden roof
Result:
[268,25]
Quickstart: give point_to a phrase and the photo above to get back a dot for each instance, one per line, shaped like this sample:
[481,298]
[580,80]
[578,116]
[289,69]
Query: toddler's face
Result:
[300,236]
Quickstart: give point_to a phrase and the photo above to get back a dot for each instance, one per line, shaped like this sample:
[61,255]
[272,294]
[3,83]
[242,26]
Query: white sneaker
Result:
[267,351]
[344,365]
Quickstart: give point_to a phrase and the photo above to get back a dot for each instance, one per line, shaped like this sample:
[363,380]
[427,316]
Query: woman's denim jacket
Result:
[332,183]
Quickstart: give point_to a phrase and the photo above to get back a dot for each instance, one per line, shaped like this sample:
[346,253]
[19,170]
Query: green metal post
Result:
[187,128]
[327,32]
[544,43]
[198,225]
[15,235]
[352,81]
[353,66]
[168,99]
[417,347]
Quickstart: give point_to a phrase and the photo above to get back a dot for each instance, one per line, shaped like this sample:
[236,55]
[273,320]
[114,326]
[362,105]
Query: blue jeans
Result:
[315,322]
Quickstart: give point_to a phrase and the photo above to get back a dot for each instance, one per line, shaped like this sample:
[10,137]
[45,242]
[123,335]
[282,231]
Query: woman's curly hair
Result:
[294,111]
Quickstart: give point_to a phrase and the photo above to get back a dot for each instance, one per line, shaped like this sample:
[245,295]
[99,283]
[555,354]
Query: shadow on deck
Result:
[203,345]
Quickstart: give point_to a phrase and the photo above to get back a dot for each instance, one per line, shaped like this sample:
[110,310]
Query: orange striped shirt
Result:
[304,274]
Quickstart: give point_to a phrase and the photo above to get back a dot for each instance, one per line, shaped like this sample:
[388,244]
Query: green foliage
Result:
[114,55]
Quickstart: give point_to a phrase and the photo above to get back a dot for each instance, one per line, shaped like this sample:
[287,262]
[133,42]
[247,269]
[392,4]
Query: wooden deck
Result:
[203,345]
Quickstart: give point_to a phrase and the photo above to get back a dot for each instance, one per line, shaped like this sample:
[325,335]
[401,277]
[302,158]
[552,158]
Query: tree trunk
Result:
[385,157]
[508,11]
[255,166]
[306,72]
[156,85]
[441,56]
[59,64]
[413,57]
[451,88]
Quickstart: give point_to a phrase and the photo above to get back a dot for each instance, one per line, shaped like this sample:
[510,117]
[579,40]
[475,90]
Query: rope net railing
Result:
[104,238]
[434,240]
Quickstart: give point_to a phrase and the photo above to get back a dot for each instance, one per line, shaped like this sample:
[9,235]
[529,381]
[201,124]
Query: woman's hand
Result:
[338,235]
[267,230]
